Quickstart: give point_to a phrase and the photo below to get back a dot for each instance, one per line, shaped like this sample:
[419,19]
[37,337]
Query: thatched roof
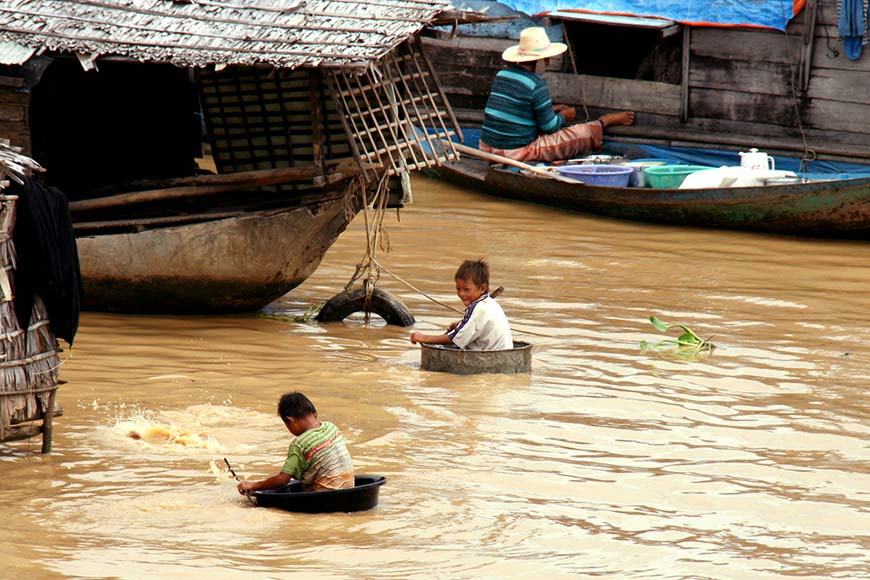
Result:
[282,33]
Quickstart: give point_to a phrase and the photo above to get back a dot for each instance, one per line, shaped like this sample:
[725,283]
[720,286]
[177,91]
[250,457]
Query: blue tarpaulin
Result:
[767,13]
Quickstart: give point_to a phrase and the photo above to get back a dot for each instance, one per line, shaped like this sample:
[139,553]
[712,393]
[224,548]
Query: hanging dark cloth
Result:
[48,260]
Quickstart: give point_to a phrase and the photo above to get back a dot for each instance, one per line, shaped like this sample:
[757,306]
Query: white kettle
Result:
[755,159]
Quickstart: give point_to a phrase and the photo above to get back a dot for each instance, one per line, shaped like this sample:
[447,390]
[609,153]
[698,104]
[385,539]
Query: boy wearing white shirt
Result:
[484,326]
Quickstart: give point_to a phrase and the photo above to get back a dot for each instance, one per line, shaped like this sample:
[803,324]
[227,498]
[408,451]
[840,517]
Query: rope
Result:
[805,158]
[415,289]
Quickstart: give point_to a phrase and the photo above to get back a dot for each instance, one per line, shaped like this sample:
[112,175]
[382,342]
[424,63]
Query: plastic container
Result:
[363,496]
[670,176]
[606,175]
[638,177]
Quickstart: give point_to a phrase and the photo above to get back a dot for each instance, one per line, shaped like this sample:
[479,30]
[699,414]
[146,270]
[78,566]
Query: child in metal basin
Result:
[484,326]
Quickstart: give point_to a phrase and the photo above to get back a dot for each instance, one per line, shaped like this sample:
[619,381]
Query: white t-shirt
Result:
[484,327]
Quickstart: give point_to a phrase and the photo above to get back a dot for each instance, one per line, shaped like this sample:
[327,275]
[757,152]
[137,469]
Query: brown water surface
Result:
[605,462]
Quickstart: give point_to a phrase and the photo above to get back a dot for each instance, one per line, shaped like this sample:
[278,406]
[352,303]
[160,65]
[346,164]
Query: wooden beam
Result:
[686,69]
[219,185]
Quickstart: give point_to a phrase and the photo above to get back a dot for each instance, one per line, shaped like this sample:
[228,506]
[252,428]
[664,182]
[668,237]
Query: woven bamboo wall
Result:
[262,119]
[29,358]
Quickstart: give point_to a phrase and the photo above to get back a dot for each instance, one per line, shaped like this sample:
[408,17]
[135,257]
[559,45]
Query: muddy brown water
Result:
[604,462]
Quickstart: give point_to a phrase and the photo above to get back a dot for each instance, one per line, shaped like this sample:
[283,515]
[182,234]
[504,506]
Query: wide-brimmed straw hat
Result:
[534,45]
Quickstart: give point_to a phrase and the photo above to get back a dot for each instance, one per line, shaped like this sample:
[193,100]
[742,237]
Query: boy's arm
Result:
[430,338]
[273,482]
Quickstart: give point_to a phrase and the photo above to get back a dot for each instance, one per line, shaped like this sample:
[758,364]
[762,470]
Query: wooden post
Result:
[808,42]
[684,84]
[316,119]
[48,422]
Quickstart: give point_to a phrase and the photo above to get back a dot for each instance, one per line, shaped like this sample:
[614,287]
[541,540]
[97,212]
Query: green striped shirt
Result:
[318,453]
[519,109]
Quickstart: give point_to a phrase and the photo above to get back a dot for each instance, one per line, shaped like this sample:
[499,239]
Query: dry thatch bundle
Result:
[29,358]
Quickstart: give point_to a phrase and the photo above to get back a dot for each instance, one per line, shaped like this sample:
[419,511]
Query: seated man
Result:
[520,120]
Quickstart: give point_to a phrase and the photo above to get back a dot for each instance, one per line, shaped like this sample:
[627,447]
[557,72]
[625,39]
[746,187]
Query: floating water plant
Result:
[687,343]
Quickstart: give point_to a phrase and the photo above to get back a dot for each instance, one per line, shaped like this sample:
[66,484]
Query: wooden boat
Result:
[295,134]
[449,359]
[363,496]
[838,209]
[232,263]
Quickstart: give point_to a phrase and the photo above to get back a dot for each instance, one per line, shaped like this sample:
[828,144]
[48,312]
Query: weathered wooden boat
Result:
[835,208]
[450,359]
[361,497]
[765,74]
[235,263]
[115,100]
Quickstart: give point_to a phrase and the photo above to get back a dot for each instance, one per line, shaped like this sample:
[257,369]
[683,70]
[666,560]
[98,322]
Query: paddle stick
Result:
[508,161]
[239,479]
[230,467]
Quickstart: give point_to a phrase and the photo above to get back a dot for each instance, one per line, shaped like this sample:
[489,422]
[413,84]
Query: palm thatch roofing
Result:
[198,33]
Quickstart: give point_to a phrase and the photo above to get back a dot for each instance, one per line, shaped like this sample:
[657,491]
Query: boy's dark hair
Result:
[295,405]
[476,271]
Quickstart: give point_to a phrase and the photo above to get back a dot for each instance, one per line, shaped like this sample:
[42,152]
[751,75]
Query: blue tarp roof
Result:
[769,13]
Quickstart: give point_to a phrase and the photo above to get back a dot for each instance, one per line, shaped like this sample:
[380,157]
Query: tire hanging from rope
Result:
[369,299]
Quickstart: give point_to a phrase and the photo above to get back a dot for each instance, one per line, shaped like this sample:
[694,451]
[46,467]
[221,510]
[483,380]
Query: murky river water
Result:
[605,462]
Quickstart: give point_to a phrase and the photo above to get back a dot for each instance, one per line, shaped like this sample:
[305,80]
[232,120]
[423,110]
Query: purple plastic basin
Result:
[607,175]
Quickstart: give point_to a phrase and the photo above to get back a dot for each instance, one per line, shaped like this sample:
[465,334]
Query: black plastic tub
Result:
[363,496]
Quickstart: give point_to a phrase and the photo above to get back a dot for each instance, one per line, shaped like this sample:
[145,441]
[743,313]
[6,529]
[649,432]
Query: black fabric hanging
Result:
[48,260]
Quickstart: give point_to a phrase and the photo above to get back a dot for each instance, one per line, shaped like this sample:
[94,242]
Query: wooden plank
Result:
[766,78]
[838,116]
[685,74]
[745,45]
[740,106]
[253,179]
[13,113]
[828,54]
[7,81]
[612,93]
[829,14]
[844,86]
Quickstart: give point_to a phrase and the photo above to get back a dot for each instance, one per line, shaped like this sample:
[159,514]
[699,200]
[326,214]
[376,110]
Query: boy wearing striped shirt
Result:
[318,457]
[520,120]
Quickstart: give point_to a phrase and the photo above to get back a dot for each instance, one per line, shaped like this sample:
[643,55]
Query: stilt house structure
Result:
[29,358]
[305,104]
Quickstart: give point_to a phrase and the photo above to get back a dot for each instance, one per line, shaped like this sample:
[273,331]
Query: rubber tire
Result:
[383,304]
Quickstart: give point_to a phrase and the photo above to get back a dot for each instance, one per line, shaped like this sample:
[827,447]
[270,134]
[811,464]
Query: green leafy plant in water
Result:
[687,343]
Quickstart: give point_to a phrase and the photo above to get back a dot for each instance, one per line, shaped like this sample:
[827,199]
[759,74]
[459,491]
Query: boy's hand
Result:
[452,325]
[245,487]
[415,337]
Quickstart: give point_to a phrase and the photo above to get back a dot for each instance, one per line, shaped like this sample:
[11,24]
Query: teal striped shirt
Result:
[518,110]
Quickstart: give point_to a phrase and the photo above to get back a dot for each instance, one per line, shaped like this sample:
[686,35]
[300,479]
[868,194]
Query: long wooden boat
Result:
[839,209]
[224,261]
[363,496]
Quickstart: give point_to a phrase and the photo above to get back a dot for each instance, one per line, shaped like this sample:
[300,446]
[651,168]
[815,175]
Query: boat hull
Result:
[234,264]
[839,209]
[363,496]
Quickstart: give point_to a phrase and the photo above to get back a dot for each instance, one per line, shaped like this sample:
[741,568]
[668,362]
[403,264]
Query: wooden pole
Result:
[508,161]
[48,422]
[217,184]
[686,69]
